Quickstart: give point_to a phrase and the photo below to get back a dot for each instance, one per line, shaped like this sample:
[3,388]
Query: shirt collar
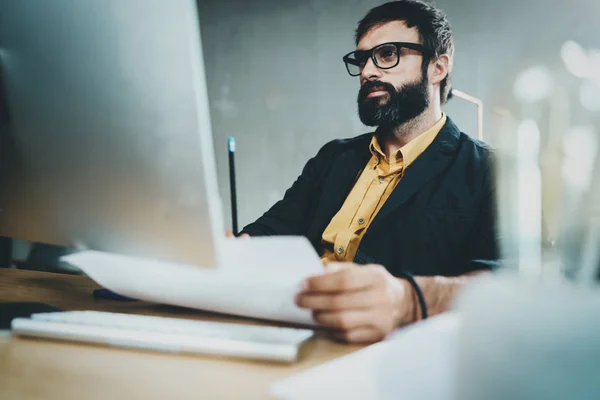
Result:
[413,149]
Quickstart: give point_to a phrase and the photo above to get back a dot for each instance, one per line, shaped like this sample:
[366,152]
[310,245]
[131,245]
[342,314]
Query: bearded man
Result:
[404,216]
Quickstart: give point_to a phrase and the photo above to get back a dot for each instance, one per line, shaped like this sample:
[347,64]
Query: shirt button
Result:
[381,179]
[361,221]
[340,250]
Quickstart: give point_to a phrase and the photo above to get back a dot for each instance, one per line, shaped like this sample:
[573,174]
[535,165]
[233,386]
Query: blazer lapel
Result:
[428,165]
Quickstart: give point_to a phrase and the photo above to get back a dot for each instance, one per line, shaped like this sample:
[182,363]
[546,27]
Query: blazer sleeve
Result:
[483,250]
[291,215]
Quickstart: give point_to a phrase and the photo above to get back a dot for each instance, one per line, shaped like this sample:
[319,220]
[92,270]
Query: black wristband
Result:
[418,291]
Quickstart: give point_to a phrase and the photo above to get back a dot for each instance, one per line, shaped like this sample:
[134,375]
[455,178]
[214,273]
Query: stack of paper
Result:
[259,278]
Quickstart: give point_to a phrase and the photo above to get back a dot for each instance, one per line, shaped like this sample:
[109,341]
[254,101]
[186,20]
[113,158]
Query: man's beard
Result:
[395,108]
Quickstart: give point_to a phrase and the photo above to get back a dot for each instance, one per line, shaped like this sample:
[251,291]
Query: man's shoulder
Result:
[478,149]
[467,144]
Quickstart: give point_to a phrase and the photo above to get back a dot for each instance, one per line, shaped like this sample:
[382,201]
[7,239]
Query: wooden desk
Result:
[41,369]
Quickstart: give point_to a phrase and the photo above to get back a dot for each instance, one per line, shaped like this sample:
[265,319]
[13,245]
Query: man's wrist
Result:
[408,304]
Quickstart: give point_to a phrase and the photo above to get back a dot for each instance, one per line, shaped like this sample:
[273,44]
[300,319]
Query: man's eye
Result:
[388,53]
[362,58]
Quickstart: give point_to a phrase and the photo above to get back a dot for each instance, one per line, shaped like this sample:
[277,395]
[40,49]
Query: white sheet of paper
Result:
[259,278]
[414,363]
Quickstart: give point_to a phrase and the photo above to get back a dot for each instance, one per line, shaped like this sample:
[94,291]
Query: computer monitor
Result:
[105,136]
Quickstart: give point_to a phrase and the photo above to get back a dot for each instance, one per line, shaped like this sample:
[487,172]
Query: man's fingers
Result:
[337,302]
[346,279]
[229,234]
[345,320]
[332,267]
[359,335]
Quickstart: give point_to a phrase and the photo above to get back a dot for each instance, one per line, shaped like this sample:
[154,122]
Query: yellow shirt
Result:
[377,181]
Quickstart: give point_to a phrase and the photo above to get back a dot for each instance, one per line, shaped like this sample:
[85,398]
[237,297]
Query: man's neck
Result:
[395,138]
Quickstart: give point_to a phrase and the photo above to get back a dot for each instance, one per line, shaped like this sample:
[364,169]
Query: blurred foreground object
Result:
[547,138]
[520,340]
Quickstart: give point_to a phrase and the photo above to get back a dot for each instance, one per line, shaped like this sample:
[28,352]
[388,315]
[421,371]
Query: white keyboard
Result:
[167,334]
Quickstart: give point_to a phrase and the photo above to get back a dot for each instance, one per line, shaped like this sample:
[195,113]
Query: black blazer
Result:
[439,220]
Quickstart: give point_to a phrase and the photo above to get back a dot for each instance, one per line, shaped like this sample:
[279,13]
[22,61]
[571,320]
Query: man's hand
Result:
[229,234]
[364,303]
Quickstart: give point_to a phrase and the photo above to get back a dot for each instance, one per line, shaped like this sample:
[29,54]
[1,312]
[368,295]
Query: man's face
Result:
[391,97]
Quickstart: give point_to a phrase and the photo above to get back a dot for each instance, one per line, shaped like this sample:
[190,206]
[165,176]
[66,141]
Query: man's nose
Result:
[370,71]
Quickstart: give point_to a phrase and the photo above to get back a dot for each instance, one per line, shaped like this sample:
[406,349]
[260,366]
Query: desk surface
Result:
[36,369]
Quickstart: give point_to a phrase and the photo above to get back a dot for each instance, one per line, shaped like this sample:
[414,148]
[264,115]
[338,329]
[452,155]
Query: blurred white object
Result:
[595,66]
[415,363]
[580,145]
[519,340]
[578,230]
[534,84]
[589,94]
[576,59]
[589,270]
[529,200]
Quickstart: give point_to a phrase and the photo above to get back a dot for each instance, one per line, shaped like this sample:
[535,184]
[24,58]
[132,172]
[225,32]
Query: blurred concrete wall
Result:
[277,83]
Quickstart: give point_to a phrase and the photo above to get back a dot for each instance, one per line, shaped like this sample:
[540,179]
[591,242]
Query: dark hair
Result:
[433,26]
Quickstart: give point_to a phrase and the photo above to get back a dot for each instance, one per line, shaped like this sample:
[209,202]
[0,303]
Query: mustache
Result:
[366,88]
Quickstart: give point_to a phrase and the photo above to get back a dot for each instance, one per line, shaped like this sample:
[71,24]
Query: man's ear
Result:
[440,68]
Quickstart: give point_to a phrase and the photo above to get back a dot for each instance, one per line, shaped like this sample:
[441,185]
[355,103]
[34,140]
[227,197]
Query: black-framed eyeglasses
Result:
[384,56]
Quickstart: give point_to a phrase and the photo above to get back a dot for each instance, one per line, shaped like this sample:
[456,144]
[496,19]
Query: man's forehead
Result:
[395,31]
